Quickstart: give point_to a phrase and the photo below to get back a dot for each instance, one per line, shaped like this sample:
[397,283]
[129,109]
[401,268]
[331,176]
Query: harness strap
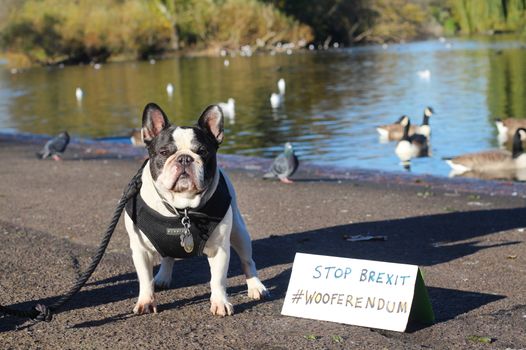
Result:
[164,232]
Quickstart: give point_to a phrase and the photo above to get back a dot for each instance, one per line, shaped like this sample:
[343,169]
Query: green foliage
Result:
[397,20]
[50,31]
[506,90]
[478,16]
[336,20]
[232,23]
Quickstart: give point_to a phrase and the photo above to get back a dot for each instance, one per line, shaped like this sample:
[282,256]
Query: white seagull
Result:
[79,94]
[276,100]
[229,108]
[281,86]
[170,89]
[424,74]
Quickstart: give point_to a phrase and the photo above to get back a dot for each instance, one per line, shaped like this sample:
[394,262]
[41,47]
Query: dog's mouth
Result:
[185,182]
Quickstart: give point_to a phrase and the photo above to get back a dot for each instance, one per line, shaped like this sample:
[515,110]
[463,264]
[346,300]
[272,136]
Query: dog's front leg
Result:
[143,261]
[218,271]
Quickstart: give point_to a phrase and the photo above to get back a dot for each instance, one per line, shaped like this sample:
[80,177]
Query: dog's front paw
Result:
[145,306]
[256,289]
[220,306]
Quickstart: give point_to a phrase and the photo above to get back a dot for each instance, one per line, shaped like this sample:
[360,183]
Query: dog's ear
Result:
[153,122]
[212,121]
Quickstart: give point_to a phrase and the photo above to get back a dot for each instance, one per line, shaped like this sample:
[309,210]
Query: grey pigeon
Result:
[55,147]
[284,165]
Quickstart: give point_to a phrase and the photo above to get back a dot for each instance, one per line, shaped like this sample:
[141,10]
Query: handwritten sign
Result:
[358,292]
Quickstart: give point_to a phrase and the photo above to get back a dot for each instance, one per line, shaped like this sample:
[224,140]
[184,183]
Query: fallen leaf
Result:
[310,337]
[337,339]
[477,338]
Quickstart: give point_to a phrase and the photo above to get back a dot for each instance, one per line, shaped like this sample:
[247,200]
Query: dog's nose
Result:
[185,159]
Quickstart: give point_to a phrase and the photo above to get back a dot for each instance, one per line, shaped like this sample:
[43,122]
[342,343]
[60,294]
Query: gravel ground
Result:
[470,246]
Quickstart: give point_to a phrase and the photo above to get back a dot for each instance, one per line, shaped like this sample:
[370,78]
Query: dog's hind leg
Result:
[240,240]
[163,278]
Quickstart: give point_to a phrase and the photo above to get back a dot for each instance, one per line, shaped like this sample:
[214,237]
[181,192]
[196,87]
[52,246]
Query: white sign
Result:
[359,292]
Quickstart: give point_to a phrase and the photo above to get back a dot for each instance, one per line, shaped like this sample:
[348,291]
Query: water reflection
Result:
[333,100]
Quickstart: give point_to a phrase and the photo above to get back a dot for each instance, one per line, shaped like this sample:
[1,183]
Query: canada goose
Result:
[410,146]
[228,108]
[425,128]
[507,127]
[494,160]
[395,131]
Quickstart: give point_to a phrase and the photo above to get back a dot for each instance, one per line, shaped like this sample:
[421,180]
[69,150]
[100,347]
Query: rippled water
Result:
[332,104]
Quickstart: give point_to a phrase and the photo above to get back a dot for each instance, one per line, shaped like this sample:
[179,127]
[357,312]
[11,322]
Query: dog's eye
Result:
[202,151]
[164,152]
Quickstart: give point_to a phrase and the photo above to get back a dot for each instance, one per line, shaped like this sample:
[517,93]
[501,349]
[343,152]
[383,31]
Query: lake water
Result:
[333,101]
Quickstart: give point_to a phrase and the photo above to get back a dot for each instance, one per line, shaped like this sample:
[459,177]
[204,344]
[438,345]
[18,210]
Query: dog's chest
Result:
[165,232]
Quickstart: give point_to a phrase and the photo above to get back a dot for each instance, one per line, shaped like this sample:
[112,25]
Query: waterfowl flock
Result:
[395,131]
[413,141]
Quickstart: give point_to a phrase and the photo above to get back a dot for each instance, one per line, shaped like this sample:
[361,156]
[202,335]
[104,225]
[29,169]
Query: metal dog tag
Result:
[187,241]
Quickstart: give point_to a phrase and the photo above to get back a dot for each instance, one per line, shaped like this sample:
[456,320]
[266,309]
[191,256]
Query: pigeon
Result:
[284,165]
[54,147]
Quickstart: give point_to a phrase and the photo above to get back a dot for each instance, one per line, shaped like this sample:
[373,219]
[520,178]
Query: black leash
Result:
[41,312]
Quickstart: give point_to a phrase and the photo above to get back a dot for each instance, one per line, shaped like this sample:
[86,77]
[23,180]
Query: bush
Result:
[233,23]
[51,31]
[397,20]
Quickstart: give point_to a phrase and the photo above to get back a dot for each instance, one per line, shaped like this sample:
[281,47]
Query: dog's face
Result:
[182,159]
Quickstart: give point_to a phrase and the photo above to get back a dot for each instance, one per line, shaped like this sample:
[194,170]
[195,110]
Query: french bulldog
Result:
[182,175]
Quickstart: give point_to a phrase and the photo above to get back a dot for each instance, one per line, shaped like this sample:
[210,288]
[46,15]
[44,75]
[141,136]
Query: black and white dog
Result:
[189,205]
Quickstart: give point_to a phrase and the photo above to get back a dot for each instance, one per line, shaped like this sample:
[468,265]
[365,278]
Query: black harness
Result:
[164,232]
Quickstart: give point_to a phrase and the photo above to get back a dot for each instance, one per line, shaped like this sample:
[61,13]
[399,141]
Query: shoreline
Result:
[90,149]
[216,51]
